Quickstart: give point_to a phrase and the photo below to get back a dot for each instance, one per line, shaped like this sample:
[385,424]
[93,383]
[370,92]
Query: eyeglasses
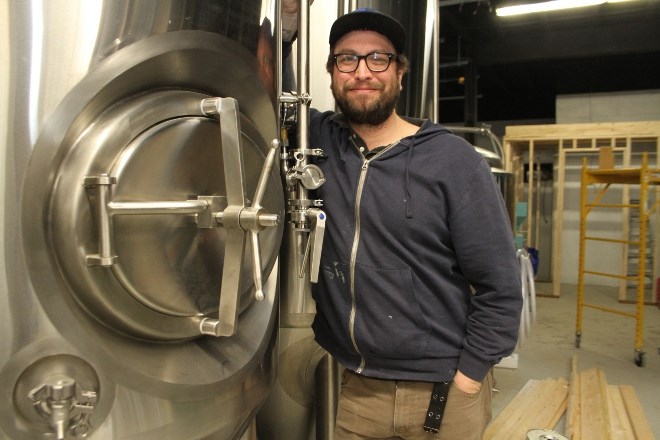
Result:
[375,61]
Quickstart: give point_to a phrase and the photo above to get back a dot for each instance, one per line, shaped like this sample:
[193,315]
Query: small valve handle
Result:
[317,219]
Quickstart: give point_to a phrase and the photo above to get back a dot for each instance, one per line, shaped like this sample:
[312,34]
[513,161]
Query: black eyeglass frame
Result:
[365,57]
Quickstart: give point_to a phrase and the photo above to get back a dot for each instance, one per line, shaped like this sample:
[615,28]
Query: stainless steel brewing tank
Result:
[113,172]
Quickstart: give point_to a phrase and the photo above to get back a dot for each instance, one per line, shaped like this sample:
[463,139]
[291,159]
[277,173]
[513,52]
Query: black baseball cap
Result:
[366,19]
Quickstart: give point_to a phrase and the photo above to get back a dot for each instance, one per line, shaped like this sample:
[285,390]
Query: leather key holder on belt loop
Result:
[436,407]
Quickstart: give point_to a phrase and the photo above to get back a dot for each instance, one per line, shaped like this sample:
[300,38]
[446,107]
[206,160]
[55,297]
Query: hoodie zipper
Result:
[354,250]
[356,239]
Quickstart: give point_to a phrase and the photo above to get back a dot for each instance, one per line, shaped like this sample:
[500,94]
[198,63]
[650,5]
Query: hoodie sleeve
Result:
[483,240]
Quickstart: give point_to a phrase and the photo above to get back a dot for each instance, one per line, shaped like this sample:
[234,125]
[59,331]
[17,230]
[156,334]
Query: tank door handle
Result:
[237,218]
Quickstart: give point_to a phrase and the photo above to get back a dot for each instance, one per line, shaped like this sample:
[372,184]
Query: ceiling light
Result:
[553,5]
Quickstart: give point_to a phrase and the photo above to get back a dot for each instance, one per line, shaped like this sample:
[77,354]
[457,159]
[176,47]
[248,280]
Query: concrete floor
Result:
[608,342]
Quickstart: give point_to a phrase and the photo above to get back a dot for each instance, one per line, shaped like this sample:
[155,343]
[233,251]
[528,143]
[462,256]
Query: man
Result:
[419,293]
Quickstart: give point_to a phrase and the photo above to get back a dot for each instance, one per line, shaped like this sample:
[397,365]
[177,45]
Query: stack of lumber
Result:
[593,408]
[597,410]
[538,405]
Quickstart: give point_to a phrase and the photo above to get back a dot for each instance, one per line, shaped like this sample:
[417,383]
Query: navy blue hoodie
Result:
[419,275]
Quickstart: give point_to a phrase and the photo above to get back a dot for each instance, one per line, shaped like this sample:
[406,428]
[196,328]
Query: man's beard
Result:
[360,111]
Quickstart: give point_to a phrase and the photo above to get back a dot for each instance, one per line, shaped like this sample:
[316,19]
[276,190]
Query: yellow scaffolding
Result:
[645,177]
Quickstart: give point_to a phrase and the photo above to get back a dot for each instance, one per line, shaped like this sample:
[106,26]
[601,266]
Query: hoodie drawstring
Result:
[410,211]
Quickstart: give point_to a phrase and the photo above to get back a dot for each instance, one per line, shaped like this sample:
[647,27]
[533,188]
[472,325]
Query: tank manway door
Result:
[159,249]
[151,223]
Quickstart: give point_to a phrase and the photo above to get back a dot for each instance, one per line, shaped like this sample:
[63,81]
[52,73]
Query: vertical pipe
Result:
[345,6]
[303,75]
[303,89]
[327,397]
[429,64]
[278,60]
[529,237]
[300,232]
[435,116]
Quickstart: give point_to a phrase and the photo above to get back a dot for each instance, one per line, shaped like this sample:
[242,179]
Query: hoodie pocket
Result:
[389,321]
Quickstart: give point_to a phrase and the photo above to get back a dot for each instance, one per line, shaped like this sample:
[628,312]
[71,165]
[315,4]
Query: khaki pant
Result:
[387,409]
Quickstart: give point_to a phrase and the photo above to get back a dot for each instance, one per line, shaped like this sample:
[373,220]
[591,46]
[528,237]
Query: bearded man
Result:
[419,293]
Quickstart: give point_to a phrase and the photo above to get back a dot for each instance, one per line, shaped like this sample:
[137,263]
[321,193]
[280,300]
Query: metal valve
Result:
[310,176]
[301,177]
[67,408]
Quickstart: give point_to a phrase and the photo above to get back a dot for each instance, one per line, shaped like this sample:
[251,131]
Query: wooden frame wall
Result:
[523,141]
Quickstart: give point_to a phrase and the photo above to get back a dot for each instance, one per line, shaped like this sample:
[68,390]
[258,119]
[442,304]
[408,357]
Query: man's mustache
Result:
[362,86]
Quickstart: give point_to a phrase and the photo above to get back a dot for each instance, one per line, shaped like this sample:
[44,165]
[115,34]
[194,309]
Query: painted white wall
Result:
[608,107]
[322,14]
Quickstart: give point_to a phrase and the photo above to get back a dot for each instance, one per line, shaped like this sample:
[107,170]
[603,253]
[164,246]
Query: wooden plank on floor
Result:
[594,409]
[540,406]
[620,426]
[514,411]
[594,423]
[573,406]
[552,404]
[635,412]
[560,410]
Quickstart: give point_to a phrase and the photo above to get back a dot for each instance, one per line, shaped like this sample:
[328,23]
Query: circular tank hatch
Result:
[166,275]
[135,126]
